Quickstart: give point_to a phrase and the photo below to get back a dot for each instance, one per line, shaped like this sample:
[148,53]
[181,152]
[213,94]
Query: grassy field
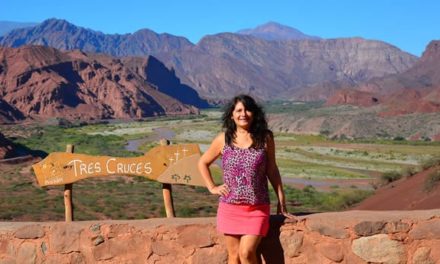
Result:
[301,157]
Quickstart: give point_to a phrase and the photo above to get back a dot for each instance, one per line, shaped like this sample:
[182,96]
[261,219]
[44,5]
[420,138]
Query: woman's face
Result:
[241,116]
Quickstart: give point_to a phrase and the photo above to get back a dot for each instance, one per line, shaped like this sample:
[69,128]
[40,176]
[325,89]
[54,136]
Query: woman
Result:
[248,160]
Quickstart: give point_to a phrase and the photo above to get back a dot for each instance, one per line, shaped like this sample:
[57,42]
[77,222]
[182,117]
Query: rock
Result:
[8,260]
[7,247]
[30,232]
[43,247]
[291,242]
[65,238]
[96,228]
[210,255]
[187,238]
[368,228]
[76,258]
[380,249]
[332,251]
[426,230]
[161,248]
[421,256]
[327,230]
[27,253]
[397,227]
[116,230]
[98,240]
[124,249]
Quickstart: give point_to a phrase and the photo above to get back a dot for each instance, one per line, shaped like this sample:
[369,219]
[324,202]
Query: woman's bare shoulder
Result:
[219,141]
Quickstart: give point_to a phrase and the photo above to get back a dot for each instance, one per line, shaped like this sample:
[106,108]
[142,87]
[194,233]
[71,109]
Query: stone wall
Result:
[344,237]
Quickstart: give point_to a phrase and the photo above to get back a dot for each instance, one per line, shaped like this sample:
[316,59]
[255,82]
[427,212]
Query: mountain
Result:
[41,82]
[225,64]
[60,34]
[414,90]
[6,26]
[276,31]
[155,73]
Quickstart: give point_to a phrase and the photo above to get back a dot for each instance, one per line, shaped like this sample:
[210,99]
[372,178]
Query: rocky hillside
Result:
[222,65]
[42,82]
[358,122]
[414,90]
[420,193]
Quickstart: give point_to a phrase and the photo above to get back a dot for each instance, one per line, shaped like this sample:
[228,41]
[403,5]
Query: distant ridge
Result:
[6,26]
[63,35]
[275,31]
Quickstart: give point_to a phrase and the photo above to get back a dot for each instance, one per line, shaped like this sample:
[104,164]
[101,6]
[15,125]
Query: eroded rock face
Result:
[370,237]
[42,82]
[226,64]
[416,90]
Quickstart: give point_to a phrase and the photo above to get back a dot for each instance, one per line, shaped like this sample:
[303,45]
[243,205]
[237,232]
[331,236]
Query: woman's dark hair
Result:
[258,128]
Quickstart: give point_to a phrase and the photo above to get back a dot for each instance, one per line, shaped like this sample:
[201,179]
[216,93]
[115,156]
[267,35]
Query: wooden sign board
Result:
[176,164]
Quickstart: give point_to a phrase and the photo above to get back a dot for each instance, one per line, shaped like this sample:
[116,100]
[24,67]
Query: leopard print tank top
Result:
[244,172]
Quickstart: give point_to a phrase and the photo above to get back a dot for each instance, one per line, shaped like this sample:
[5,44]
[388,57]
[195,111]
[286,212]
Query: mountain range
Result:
[225,64]
[270,62]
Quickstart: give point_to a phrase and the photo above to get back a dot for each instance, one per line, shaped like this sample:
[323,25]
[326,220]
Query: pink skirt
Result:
[234,219]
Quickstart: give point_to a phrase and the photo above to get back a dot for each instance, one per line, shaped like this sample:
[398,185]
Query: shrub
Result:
[431,162]
[410,171]
[390,176]
[431,180]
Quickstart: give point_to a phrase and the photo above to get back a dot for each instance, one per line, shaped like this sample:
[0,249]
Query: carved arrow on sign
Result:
[159,164]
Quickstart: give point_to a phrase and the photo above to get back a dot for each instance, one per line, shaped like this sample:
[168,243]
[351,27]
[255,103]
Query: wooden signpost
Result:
[168,164]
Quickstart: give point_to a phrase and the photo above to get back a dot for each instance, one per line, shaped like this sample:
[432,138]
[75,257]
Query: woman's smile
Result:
[241,116]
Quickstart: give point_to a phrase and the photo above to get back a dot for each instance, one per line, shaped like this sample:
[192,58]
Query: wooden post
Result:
[68,207]
[167,192]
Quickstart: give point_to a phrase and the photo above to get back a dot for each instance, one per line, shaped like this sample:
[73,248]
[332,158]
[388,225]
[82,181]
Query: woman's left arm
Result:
[274,177]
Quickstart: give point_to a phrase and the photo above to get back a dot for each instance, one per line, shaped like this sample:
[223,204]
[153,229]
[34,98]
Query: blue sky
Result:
[409,25]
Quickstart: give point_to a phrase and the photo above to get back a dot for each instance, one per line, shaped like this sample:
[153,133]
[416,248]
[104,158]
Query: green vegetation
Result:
[432,180]
[137,198]
[290,107]
[431,162]
[341,164]
[311,200]
[390,176]
[54,138]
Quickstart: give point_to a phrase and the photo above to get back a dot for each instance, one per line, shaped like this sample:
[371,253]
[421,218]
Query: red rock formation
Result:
[416,90]
[42,82]
[354,98]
